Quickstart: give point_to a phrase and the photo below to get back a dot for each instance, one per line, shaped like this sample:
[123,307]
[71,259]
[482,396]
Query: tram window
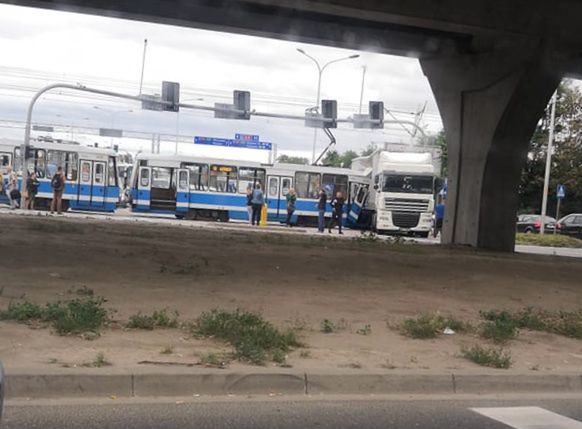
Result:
[144,179]
[37,162]
[4,160]
[285,186]
[222,178]
[161,177]
[85,172]
[183,180]
[55,159]
[198,176]
[99,173]
[249,177]
[72,166]
[307,185]
[273,187]
[334,183]
[112,172]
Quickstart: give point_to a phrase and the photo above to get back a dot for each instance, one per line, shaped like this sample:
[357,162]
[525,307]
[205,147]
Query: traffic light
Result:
[171,96]
[376,112]
[329,113]
[242,101]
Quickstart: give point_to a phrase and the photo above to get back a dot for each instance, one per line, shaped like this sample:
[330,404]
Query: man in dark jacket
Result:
[321,210]
[58,185]
[337,205]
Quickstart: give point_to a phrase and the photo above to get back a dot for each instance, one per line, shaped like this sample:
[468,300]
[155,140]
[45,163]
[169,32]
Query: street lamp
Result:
[320,70]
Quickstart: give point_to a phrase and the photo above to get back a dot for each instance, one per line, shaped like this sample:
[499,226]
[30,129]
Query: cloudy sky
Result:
[40,47]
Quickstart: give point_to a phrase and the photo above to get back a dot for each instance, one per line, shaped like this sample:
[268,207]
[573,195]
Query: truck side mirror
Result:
[376,187]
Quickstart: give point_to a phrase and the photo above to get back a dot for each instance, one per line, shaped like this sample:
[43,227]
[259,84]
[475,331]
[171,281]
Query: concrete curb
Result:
[290,383]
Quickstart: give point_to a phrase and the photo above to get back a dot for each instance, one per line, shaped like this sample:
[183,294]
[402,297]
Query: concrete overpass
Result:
[492,64]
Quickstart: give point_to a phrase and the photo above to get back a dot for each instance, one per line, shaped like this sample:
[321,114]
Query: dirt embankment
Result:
[293,280]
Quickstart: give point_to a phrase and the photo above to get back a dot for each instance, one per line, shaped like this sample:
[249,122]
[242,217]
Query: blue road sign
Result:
[238,143]
[561,192]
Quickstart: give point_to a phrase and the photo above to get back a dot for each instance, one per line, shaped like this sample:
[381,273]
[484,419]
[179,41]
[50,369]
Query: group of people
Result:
[9,186]
[256,201]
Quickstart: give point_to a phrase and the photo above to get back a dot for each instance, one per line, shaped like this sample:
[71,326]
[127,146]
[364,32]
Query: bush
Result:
[550,240]
[253,338]
[428,326]
[22,312]
[490,357]
[69,317]
[159,319]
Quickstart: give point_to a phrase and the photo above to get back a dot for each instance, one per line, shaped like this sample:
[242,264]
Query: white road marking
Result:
[529,418]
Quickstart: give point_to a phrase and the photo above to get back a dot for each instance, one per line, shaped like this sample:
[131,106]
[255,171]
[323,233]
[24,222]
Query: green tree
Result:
[368,151]
[566,159]
[441,143]
[335,159]
[292,159]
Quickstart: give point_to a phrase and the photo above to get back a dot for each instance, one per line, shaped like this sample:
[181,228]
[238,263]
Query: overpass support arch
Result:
[490,105]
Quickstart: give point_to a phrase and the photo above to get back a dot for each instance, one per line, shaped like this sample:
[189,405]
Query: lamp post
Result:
[320,70]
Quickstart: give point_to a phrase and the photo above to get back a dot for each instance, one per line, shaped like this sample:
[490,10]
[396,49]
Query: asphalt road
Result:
[285,413]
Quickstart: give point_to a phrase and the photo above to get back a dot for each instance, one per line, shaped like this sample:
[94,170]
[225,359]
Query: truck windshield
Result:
[408,184]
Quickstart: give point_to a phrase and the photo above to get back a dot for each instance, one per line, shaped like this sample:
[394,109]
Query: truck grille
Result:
[405,220]
[406,205]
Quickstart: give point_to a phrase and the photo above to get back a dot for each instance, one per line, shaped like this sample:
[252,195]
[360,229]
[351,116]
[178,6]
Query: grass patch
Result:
[253,338]
[504,325]
[548,240]
[215,360]
[366,330]
[99,362]
[490,357]
[168,350]
[158,319]
[328,326]
[427,326]
[76,316]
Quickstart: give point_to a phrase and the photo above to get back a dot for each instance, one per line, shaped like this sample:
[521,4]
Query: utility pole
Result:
[548,164]
[362,89]
[145,47]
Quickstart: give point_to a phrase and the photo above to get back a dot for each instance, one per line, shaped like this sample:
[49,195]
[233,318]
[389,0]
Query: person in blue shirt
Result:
[257,201]
[439,216]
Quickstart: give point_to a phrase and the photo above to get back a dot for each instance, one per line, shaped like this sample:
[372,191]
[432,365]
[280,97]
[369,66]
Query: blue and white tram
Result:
[90,173]
[206,188]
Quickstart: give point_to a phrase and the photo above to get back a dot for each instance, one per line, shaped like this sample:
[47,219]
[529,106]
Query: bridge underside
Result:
[492,66]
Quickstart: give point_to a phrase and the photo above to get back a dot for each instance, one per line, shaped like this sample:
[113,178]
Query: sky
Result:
[40,47]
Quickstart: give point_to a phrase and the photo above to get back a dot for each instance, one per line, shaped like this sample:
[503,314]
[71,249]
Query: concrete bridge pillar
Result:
[490,105]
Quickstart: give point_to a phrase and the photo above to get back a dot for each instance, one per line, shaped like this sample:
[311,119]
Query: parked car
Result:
[531,223]
[571,225]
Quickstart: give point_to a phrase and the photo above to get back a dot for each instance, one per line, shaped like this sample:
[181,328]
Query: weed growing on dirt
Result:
[215,360]
[427,326]
[490,357]
[22,312]
[158,319]
[66,317]
[502,324]
[82,291]
[305,354]
[253,338]
[366,330]
[279,356]
[99,362]
[168,350]
[328,327]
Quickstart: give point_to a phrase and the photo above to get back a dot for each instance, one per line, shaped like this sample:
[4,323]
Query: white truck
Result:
[402,189]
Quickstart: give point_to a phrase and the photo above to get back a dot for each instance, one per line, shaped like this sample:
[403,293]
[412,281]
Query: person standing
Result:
[258,200]
[13,192]
[439,214]
[58,185]
[291,200]
[321,205]
[250,203]
[32,185]
[337,205]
